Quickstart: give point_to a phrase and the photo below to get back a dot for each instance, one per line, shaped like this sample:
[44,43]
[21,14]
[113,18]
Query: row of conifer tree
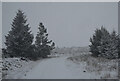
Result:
[105,44]
[19,40]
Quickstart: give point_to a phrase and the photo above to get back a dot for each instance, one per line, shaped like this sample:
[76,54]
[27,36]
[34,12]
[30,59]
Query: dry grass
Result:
[106,68]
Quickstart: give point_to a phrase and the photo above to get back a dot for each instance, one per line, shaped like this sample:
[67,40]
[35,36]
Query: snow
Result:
[15,68]
[101,68]
[58,68]
[53,68]
[62,68]
[76,65]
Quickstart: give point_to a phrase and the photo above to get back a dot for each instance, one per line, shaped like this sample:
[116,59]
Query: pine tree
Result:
[99,41]
[42,43]
[104,43]
[118,46]
[95,42]
[19,38]
[112,51]
[53,46]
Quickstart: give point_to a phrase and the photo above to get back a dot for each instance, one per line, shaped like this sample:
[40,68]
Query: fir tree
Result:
[42,43]
[112,51]
[104,43]
[118,46]
[19,38]
[96,42]
[53,46]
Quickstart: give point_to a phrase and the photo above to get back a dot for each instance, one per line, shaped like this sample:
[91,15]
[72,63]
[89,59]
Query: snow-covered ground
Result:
[53,68]
[58,68]
[62,68]
[15,68]
[78,64]
[98,68]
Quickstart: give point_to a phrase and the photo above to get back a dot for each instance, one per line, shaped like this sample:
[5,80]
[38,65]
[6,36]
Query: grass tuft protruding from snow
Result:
[104,68]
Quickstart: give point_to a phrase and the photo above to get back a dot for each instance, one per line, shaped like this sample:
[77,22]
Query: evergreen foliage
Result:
[43,45]
[19,38]
[95,42]
[118,46]
[104,44]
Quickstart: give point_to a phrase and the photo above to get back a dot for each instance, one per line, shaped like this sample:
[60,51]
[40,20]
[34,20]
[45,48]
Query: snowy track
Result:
[53,68]
[57,68]
[61,68]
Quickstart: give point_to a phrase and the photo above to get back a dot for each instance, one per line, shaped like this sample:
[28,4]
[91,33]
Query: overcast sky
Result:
[68,24]
[0,24]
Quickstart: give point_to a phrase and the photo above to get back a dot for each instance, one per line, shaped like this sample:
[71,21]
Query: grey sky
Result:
[68,24]
[0,24]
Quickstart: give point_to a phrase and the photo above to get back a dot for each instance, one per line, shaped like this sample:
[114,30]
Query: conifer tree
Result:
[118,46]
[96,42]
[104,43]
[112,51]
[43,45]
[109,45]
[19,38]
[53,46]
